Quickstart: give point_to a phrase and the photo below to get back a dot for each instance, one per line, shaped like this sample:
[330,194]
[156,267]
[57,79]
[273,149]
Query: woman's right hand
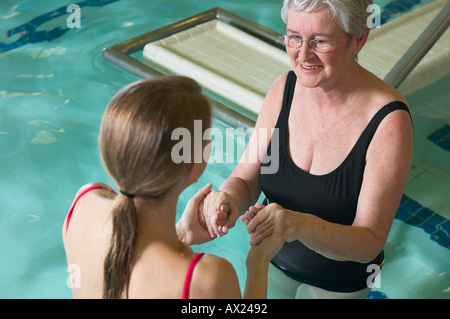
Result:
[218,213]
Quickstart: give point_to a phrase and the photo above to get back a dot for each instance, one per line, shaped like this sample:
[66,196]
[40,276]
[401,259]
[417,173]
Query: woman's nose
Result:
[305,52]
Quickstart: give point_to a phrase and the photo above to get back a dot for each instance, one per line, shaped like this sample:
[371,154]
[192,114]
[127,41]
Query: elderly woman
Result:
[345,145]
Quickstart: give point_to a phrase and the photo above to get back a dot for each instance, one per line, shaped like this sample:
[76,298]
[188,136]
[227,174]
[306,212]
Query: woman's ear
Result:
[194,172]
[361,41]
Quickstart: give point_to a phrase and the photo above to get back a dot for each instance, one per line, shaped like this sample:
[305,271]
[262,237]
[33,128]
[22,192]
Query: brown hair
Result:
[135,145]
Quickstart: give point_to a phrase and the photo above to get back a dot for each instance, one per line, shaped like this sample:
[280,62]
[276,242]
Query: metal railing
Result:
[419,48]
[119,55]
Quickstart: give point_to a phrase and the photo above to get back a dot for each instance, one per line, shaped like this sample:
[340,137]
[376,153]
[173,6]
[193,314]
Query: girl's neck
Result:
[157,220]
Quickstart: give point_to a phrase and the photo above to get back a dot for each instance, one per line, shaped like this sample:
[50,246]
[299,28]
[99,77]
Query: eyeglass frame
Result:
[332,45]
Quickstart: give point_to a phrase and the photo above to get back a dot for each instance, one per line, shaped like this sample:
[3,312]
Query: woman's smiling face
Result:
[315,69]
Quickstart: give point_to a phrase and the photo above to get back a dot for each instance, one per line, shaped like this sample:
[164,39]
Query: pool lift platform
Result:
[236,60]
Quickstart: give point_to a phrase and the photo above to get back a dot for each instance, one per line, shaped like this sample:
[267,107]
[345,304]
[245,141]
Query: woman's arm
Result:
[215,277]
[259,258]
[388,162]
[242,187]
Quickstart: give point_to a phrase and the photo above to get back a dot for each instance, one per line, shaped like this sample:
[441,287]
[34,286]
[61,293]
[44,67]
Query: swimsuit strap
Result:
[187,282]
[69,215]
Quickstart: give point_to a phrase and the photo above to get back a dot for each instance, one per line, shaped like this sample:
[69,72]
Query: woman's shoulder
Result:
[216,278]
[271,106]
[102,189]
[383,93]
[216,267]
[85,197]
[277,88]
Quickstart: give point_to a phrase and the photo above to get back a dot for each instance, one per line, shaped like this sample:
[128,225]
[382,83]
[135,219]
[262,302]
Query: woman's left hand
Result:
[265,250]
[260,221]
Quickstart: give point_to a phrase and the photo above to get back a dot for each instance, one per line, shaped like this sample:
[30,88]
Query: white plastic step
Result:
[225,60]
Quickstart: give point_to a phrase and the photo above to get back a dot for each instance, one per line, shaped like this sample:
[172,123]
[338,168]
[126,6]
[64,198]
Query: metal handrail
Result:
[419,48]
[119,55]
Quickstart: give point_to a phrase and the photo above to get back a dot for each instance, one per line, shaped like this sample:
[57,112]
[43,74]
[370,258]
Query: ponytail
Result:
[119,259]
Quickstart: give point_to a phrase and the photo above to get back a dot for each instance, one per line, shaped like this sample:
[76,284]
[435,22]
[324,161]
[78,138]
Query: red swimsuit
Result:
[194,261]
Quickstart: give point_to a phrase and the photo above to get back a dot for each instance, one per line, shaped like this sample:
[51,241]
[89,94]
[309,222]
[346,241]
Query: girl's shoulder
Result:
[214,277]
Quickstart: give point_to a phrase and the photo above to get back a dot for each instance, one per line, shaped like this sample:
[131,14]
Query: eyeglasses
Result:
[294,42]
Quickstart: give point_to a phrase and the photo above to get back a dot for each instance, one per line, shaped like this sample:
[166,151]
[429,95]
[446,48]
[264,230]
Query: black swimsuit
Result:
[332,197]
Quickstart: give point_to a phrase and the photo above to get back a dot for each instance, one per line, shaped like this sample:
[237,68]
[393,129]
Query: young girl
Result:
[127,245]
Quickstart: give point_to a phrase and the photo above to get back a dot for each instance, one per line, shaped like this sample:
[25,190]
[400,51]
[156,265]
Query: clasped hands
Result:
[211,214]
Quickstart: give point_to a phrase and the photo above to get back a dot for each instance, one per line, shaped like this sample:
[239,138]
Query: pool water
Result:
[53,91]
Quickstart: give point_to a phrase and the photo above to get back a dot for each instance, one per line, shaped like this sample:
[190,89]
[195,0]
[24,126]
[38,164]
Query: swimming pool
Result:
[53,90]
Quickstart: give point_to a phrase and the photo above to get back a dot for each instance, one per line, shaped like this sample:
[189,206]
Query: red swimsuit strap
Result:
[69,215]
[187,282]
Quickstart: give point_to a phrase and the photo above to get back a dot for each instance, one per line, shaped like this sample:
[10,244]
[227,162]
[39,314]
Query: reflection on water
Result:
[52,95]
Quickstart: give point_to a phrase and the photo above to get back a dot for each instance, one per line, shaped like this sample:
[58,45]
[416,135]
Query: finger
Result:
[225,208]
[244,219]
[209,227]
[201,193]
[217,220]
[257,238]
[256,208]
[262,228]
[216,224]
[253,210]
[201,216]
[249,215]
[220,215]
[256,221]
[221,219]
[259,206]
[230,223]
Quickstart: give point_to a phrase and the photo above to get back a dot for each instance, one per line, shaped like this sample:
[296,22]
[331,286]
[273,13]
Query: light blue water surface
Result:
[53,91]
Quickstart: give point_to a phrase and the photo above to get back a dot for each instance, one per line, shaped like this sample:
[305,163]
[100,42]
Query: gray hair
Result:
[350,14]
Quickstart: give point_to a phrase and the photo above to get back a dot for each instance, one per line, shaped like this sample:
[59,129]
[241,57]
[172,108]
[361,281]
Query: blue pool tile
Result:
[445,144]
[397,7]
[441,137]
[30,32]
[441,234]
[414,221]
[377,295]
[408,208]
[414,214]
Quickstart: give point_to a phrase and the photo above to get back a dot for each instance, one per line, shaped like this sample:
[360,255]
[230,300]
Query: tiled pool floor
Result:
[426,185]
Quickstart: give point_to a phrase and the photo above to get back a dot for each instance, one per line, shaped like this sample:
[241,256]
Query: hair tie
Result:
[130,196]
